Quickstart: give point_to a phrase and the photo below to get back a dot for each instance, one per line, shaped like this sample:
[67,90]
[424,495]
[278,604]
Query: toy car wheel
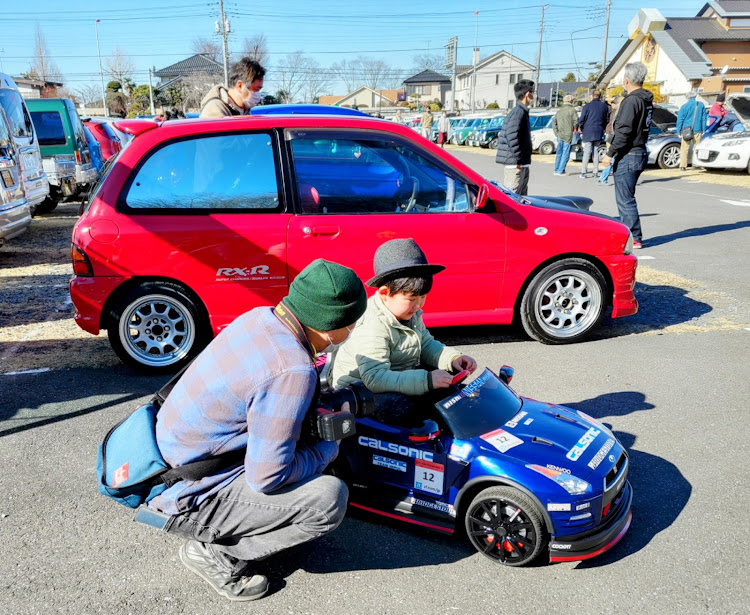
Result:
[157,327]
[564,302]
[547,148]
[493,143]
[505,525]
[669,157]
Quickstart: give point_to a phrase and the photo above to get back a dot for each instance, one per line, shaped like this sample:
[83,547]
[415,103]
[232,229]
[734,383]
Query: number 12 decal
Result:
[428,476]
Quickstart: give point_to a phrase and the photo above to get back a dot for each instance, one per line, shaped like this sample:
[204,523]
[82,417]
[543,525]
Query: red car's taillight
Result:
[81,263]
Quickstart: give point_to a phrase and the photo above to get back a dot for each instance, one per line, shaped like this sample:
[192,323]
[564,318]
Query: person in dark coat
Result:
[592,124]
[628,147]
[514,140]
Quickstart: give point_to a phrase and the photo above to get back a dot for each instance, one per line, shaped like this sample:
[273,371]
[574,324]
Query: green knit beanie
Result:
[326,296]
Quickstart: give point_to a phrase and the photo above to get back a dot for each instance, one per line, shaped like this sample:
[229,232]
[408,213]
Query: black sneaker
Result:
[197,558]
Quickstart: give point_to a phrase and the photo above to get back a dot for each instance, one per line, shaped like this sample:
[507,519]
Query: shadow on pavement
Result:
[695,232]
[23,395]
[613,404]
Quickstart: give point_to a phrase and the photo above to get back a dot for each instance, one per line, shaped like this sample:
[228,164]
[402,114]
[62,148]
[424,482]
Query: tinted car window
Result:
[336,176]
[49,127]
[226,172]
[75,121]
[12,104]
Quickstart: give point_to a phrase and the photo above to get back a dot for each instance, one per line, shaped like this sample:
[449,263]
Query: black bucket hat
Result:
[400,258]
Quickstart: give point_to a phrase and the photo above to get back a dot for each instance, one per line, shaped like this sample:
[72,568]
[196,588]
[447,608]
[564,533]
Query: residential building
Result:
[37,88]
[709,52]
[427,86]
[364,98]
[197,65]
[495,77]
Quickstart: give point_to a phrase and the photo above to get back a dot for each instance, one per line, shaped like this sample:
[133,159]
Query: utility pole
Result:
[223,28]
[606,36]
[151,91]
[101,73]
[475,62]
[451,51]
[539,51]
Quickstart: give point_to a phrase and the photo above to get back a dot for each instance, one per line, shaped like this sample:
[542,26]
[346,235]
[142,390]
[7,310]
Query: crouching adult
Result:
[251,387]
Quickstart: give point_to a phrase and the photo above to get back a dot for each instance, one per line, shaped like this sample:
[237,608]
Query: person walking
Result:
[514,140]
[427,119]
[246,77]
[592,124]
[251,388]
[608,134]
[691,124]
[564,125]
[628,147]
[443,127]
[399,119]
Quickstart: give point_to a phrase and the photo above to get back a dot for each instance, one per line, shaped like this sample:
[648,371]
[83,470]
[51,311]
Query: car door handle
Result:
[325,231]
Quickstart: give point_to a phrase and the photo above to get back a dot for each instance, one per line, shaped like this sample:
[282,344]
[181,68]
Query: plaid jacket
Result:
[252,386]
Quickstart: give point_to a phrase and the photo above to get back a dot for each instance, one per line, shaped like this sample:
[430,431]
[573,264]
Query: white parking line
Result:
[28,371]
[740,203]
[646,258]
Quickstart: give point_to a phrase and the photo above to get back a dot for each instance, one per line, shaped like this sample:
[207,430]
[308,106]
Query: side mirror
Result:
[483,202]
[506,374]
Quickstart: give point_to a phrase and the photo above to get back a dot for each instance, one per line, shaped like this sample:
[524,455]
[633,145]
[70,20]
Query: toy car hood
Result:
[497,423]
[740,104]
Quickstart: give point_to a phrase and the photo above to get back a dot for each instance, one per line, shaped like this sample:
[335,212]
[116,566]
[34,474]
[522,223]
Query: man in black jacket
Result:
[514,140]
[628,147]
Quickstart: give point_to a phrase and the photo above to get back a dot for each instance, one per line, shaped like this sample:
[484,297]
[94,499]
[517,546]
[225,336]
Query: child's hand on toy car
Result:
[464,362]
[440,379]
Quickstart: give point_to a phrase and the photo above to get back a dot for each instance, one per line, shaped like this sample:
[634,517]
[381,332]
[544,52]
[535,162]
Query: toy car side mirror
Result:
[483,202]
[506,374]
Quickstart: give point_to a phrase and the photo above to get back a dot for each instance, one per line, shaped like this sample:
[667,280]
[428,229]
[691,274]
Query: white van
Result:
[35,182]
[15,215]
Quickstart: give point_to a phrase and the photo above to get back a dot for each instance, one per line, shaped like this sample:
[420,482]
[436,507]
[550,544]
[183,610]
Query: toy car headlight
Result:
[572,484]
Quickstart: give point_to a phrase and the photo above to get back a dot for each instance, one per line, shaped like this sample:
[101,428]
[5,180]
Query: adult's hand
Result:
[606,161]
[440,379]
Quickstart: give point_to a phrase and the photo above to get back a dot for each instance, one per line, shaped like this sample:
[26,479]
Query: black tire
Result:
[505,525]
[564,302]
[493,143]
[547,148]
[669,156]
[602,149]
[47,206]
[157,327]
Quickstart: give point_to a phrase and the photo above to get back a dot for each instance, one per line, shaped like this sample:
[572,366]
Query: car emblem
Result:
[540,230]
[612,458]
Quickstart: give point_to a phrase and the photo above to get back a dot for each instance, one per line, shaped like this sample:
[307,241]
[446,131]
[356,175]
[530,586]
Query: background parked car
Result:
[105,135]
[728,150]
[543,139]
[464,129]
[63,141]
[35,181]
[15,215]
[485,135]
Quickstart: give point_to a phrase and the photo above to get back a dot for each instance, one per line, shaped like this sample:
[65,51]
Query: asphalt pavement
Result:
[671,381]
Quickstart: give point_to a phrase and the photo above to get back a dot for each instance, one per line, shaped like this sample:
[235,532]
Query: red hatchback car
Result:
[105,136]
[198,221]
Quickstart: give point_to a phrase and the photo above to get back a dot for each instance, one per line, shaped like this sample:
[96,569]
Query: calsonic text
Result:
[396,449]
[582,444]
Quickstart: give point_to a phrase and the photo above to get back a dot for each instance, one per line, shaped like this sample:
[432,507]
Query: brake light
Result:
[78,157]
[81,263]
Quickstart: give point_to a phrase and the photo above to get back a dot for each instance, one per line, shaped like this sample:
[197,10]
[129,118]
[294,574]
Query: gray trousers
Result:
[240,525]
[587,147]
[517,179]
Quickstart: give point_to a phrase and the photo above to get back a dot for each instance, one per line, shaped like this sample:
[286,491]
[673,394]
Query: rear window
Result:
[234,172]
[49,127]
[18,118]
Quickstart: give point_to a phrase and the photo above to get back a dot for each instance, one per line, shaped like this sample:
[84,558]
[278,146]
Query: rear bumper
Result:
[85,173]
[36,190]
[89,294]
[14,220]
[622,270]
[580,547]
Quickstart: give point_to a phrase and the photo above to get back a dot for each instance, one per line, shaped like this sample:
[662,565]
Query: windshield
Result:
[49,127]
[12,104]
[480,407]
[497,122]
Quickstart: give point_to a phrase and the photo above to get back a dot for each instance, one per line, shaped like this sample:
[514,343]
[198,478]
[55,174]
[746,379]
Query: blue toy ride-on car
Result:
[524,479]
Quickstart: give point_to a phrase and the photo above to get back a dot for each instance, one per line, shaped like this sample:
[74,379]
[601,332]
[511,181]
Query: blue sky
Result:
[159,34]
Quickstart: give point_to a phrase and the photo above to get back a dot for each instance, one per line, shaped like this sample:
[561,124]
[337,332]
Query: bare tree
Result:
[427,61]
[256,48]
[90,93]
[345,72]
[207,47]
[42,67]
[119,67]
[316,82]
[292,73]
[376,74]
[193,88]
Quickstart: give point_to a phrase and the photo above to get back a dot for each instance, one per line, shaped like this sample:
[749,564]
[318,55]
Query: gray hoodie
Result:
[218,103]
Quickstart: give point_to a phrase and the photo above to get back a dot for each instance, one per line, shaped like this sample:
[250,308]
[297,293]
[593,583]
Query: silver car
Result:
[15,214]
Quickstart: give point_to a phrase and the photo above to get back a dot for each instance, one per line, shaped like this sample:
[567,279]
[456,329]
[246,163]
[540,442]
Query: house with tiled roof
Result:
[364,98]
[495,77]
[198,64]
[427,86]
[709,52]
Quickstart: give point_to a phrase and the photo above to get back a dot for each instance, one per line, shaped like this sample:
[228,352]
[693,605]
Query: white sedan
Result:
[725,151]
